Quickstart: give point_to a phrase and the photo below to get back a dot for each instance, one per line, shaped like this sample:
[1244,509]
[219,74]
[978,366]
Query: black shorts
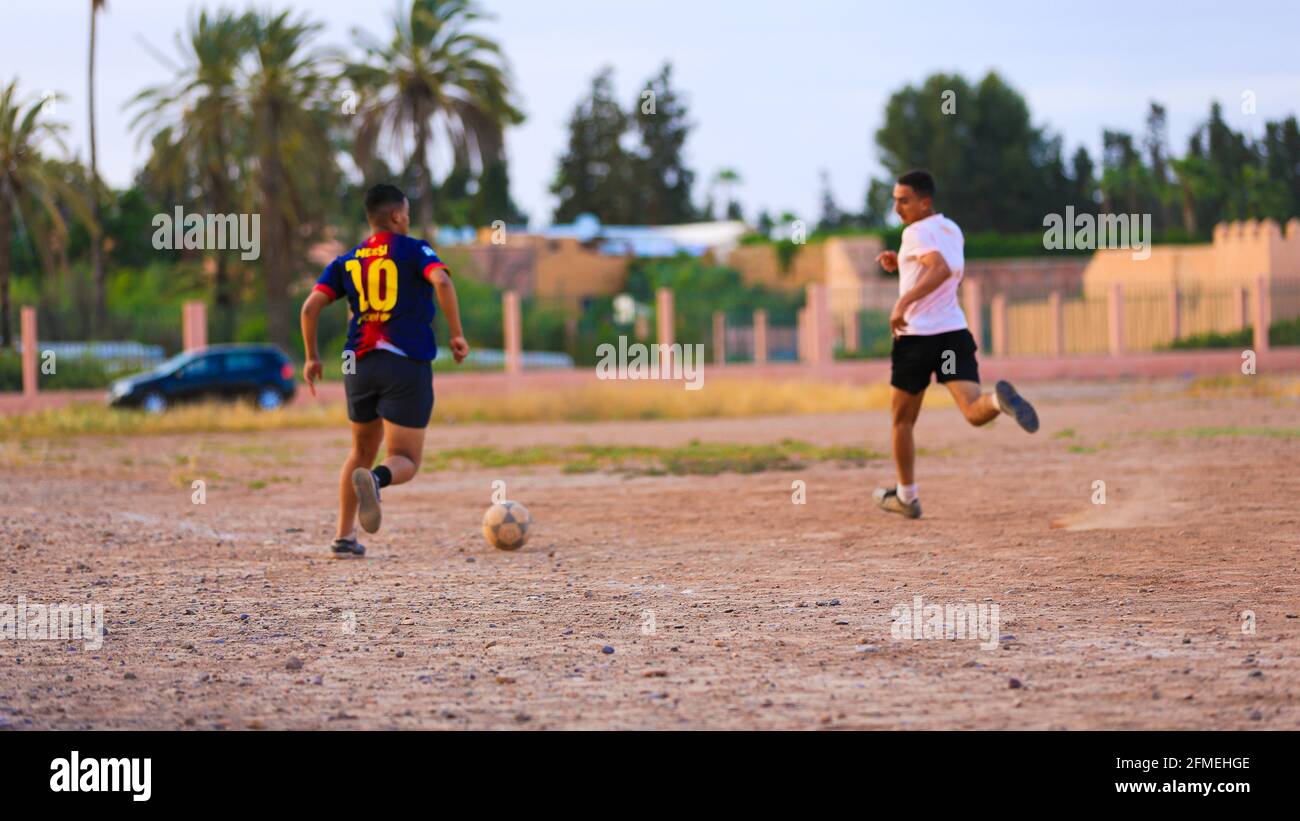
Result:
[950,356]
[390,386]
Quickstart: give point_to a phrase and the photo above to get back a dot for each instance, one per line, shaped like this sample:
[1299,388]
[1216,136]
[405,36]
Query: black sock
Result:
[384,475]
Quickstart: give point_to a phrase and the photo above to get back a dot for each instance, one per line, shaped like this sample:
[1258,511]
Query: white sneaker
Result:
[887,499]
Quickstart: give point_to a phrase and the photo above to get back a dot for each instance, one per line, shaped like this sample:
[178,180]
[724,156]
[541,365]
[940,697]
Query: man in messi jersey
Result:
[389,281]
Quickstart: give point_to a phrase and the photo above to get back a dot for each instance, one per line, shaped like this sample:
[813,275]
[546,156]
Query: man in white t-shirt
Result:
[930,335]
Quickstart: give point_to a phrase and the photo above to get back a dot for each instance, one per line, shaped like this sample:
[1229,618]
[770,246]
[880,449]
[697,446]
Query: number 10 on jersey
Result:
[368,294]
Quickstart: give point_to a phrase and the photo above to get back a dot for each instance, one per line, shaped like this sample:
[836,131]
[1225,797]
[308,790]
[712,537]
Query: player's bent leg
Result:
[366,439]
[978,408]
[405,448]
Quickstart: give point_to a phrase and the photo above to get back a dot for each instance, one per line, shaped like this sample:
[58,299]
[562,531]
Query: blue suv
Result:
[262,373]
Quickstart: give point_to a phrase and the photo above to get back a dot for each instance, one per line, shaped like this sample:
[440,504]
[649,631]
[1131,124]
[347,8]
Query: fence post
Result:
[801,335]
[1058,323]
[719,338]
[1263,313]
[1239,303]
[998,316]
[194,318]
[814,327]
[1115,318]
[974,306]
[817,325]
[760,337]
[27,323]
[512,332]
[852,332]
[1175,314]
[664,327]
[821,335]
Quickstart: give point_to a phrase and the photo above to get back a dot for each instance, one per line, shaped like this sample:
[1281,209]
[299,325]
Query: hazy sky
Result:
[777,90]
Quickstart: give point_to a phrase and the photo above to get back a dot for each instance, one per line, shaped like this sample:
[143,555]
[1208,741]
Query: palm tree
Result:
[286,98]
[29,185]
[726,179]
[197,134]
[434,74]
[96,244]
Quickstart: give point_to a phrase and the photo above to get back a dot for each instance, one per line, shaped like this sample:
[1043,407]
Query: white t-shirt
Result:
[939,312]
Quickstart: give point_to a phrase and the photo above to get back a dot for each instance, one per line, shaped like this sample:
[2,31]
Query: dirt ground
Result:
[726,605]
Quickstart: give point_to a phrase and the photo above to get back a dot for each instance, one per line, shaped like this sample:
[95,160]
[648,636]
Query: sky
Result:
[776,90]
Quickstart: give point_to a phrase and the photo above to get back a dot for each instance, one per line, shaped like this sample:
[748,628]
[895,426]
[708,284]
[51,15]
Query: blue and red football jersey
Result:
[386,281]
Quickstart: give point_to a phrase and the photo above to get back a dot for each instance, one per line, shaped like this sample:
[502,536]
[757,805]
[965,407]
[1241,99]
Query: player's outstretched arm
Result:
[310,315]
[450,305]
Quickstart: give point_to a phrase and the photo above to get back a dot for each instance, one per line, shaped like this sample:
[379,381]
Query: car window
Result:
[201,367]
[178,361]
[244,363]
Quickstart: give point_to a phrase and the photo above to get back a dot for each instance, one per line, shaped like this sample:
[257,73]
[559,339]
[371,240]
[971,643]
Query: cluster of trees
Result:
[997,171]
[261,118]
[625,165]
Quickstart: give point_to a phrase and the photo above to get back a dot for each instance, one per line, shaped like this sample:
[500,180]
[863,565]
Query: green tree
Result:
[1281,147]
[31,189]
[287,98]
[663,181]
[832,218]
[595,174]
[1156,143]
[1214,177]
[434,74]
[878,204]
[199,135]
[1123,177]
[725,181]
[1083,184]
[492,200]
[994,170]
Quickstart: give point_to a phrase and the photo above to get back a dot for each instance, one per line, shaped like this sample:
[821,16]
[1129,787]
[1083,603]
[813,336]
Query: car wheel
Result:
[269,399]
[154,402]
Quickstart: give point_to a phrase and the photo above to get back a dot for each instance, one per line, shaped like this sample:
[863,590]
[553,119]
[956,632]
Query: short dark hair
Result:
[381,198]
[919,181]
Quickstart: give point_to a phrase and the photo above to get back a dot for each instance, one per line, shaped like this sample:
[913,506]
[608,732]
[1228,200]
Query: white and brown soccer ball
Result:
[506,524]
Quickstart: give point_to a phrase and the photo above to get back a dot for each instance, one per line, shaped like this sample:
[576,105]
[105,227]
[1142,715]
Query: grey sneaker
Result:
[887,499]
[367,488]
[1015,406]
[348,547]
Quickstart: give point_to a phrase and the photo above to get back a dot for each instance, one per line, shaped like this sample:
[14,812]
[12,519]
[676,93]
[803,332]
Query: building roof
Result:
[694,239]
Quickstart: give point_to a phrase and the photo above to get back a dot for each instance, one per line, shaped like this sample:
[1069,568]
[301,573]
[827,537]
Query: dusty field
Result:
[1123,615]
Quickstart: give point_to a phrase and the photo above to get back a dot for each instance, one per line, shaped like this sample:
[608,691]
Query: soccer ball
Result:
[505,525]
